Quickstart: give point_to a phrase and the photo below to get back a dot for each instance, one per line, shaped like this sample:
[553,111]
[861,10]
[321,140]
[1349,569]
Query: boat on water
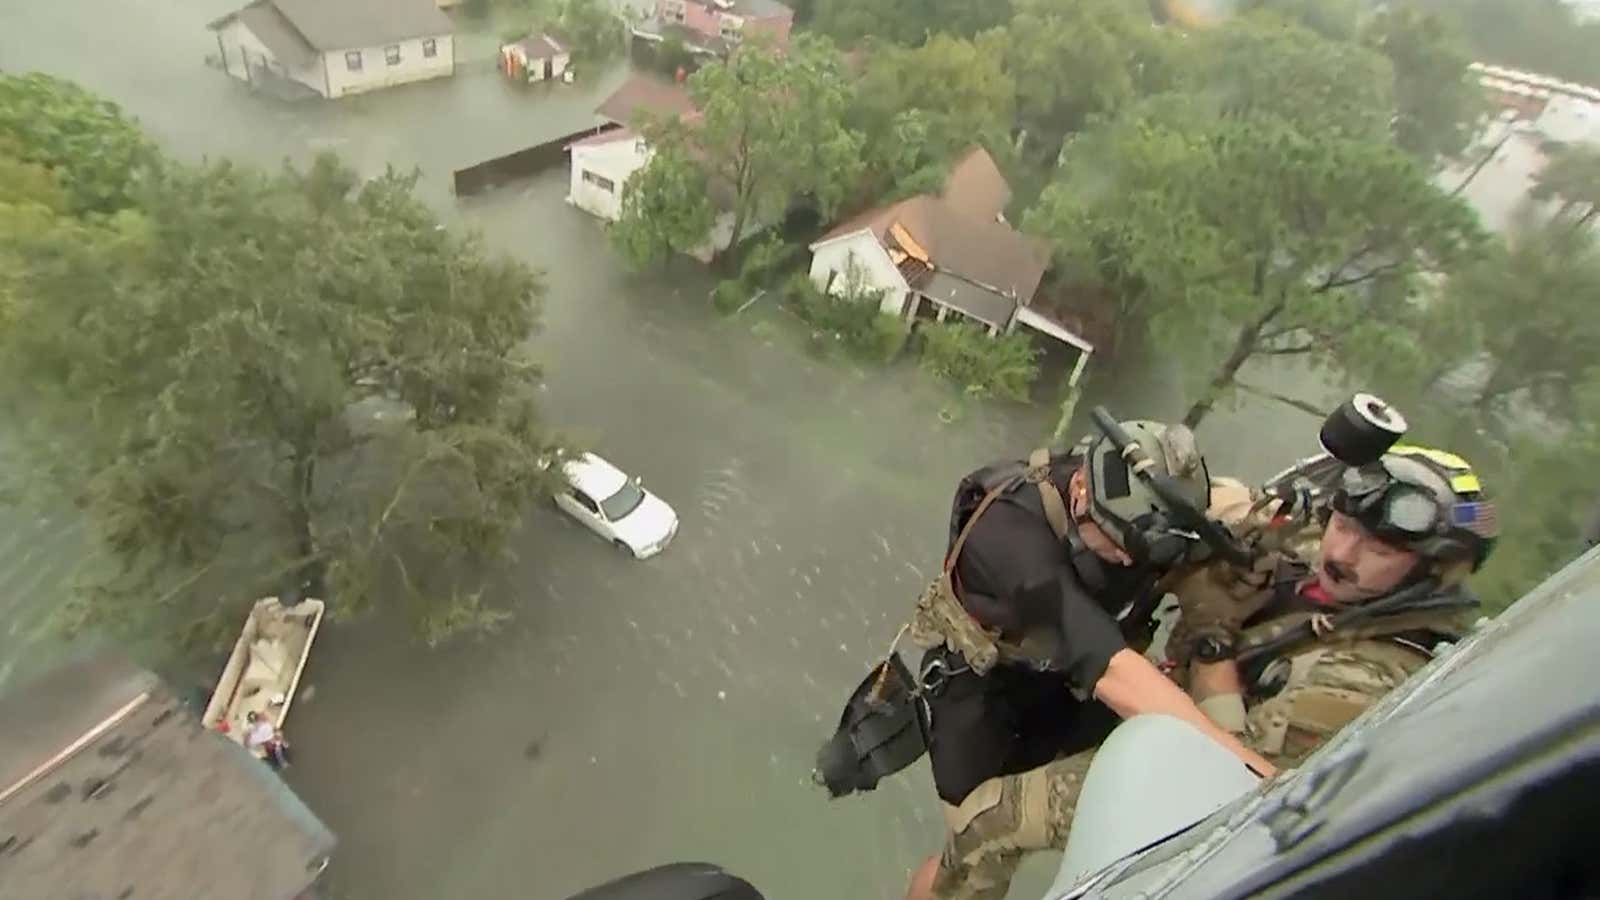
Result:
[264,669]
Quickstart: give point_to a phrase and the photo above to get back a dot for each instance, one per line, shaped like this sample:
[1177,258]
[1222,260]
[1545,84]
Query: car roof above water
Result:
[594,476]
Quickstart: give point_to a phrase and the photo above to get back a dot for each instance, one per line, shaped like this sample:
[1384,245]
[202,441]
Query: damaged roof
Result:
[960,232]
[110,789]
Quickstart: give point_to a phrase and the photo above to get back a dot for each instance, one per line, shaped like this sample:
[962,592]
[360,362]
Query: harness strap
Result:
[1055,508]
[983,506]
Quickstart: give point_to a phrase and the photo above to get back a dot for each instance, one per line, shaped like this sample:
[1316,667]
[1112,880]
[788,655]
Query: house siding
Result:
[376,73]
[244,56]
[834,258]
[707,20]
[614,161]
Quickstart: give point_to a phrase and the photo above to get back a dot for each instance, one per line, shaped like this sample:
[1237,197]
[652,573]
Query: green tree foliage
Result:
[665,209]
[1534,306]
[1254,69]
[1437,98]
[769,130]
[95,152]
[255,382]
[1075,60]
[1543,36]
[1572,180]
[1336,20]
[1269,211]
[966,355]
[918,108]
[907,22]
[848,317]
[591,29]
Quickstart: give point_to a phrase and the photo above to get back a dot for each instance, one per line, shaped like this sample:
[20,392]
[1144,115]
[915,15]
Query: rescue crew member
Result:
[1029,666]
[1287,665]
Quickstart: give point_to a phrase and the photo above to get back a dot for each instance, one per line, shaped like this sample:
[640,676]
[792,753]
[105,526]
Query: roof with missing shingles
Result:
[110,789]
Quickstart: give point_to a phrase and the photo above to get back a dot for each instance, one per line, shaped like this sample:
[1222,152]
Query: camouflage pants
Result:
[1003,819]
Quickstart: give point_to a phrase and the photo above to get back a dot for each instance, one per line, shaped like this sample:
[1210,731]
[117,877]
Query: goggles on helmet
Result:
[1391,509]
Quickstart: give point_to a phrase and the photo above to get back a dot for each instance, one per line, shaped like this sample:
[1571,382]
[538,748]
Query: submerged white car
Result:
[616,507]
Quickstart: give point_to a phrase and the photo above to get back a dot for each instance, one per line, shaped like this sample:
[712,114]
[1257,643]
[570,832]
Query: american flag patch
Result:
[1478,517]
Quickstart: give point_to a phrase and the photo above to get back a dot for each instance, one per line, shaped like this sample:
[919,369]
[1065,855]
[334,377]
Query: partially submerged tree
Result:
[593,32]
[277,382]
[666,209]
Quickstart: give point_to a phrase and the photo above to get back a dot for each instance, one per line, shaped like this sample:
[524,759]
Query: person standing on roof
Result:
[1047,581]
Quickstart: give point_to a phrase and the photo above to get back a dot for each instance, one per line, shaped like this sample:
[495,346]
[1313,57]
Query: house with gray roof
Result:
[109,789]
[335,47]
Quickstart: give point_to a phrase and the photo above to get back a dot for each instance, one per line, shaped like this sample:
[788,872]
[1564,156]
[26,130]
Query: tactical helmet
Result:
[1425,500]
[1123,504]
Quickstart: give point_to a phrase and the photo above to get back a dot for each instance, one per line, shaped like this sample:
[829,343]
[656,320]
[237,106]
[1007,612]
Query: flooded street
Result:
[632,713]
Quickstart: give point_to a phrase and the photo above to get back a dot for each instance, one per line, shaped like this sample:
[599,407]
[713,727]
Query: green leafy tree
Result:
[266,382]
[1544,36]
[769,130]
[591,29]
[1075,60]
[918,108]
[1241,215]
[981,365]
[906,22]
[1437,98]
[1533,303]
[1336,20]
[1572,179]
[95,152]
[665,209]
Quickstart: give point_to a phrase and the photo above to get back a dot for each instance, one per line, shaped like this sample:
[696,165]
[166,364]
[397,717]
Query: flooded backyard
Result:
[632,713]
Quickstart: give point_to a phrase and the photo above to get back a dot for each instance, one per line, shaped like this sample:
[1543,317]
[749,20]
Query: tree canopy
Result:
[917,108]
[95,152]
[666,209]
[768,130]
[254,383]
[1437,99]
[1267,212]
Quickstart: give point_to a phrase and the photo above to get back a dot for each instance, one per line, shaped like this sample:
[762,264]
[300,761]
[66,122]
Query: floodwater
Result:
[632,713]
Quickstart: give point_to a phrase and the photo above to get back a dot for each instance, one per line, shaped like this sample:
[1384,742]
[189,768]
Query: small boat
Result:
[264,670]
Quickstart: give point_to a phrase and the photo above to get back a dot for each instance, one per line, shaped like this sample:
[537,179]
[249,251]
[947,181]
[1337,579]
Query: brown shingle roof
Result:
[959,230]
[113,790]
[976,187]
[647,94]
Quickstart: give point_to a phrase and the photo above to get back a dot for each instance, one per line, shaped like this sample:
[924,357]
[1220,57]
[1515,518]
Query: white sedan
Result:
[616,507]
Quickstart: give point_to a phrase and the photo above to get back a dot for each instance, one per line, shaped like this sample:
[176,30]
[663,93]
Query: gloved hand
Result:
[1215,599]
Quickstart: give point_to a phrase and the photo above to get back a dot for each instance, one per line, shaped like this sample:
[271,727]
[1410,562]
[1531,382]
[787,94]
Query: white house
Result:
[934,256]
[601,165]
[336,47]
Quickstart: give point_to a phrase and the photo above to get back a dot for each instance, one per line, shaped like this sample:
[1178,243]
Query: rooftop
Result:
[340,24]
[110,789]
[959,229]
[645,93]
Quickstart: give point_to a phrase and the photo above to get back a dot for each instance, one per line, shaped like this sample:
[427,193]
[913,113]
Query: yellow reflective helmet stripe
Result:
[1462,479]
